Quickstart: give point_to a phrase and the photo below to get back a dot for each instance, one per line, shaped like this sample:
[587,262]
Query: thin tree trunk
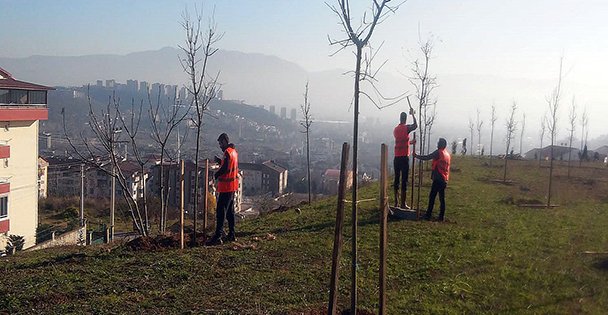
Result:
[353,296]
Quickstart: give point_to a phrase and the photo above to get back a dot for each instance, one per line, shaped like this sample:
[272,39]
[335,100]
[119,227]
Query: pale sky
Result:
[521,40]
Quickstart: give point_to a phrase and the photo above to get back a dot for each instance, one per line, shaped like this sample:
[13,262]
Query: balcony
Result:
[22,103]
[5,150]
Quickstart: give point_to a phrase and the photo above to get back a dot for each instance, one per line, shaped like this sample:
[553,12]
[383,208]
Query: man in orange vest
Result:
[440,175]
[227,185]
[401,162]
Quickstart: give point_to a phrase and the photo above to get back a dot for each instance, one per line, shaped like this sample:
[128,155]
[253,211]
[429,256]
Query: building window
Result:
[4,97]
[22,97]
[37,97]
[18,97]
[3,207]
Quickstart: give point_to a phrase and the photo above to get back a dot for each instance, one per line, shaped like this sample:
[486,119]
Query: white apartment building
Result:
[22,106]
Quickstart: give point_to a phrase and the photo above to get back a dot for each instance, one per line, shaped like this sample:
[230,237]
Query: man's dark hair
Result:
[223,136]
[403,117]
[442,143]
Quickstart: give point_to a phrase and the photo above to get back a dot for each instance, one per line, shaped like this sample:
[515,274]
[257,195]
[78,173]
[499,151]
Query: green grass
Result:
[491,257]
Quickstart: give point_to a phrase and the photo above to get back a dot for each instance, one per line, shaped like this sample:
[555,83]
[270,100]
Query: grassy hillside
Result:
[490,257]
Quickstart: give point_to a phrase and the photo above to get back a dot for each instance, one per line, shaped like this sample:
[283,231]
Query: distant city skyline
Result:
[518,40]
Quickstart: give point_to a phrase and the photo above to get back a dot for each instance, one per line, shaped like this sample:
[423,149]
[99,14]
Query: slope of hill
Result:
[490,257]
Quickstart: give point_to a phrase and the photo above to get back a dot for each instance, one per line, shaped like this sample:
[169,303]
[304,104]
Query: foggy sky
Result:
[486,52]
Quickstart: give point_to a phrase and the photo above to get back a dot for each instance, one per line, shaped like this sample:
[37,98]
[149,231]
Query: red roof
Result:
[8,82]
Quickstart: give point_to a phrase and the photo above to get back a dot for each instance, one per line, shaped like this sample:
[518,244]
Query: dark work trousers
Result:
[402,169]
[437,187]
[225,209]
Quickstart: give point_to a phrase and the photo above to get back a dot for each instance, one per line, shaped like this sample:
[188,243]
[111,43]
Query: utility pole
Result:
[81,194]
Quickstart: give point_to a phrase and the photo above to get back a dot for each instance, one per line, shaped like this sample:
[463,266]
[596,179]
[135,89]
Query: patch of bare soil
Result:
[156,243]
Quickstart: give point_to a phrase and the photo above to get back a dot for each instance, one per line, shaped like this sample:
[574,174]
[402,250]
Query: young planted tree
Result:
[553,102]
[572,120]
[511,128]
[202,88]
[164,121]
[493,119]
[479,125]
[424,83]
[98,149]
[584,125]
[430,119]
[471,131]
[306,123]
[521,135]
[543,128]
[359,37]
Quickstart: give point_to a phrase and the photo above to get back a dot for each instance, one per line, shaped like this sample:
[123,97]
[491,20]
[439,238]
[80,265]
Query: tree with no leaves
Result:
[472,131]
[553,101]
[493,119]
[306,123]
[543,128]
[424,83]
[198,48]
[584,126]
[521,135]
[359,37]
[572,120]
[164,121]
[479,125]
[511,128]
[99,151]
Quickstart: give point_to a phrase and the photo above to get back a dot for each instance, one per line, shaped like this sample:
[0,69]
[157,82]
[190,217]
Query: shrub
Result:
[15,243]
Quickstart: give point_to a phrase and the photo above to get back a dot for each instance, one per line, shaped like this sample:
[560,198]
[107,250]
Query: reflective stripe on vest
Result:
[402,140]
[229,181]
[442,164]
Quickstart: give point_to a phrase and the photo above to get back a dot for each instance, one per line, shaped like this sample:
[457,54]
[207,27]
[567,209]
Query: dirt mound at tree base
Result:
[156,243]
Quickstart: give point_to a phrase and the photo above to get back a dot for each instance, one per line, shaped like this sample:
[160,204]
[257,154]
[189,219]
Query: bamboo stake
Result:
[181,208]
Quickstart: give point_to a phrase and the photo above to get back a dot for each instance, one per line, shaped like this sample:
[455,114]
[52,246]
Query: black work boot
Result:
[403,202]
[427,216]
[215,240]
[231,237]
[396,196]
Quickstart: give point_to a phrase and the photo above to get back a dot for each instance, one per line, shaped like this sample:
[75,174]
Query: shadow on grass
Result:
[326,225]
[601,265]
[70,258]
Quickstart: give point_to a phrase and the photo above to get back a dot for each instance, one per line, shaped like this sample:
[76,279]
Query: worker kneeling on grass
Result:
[440,175]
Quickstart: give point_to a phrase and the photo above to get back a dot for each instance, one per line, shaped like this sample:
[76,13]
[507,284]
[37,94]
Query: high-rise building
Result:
[283,113]
[110,84]
[271,109]
[99,83]
[132,85]
[19,156]
[293,114]
[143,87]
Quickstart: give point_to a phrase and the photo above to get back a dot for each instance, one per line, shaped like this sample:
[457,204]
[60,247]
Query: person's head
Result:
[223,141]
[403,117]
[442,143]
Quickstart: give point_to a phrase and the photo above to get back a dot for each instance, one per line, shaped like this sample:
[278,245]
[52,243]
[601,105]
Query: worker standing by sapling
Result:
[227,185]
[401,162]
[440,176]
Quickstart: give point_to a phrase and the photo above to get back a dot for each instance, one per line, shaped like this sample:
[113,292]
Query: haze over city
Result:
[485,53]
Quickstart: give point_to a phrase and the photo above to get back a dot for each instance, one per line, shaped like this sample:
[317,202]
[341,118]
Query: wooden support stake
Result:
[335,262]
[413,176]
[383,226]
[205,200]
[181,207]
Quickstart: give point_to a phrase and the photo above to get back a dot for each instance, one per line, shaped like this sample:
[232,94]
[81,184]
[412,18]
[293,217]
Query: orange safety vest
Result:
[402,140]
[229,181]
[442,164]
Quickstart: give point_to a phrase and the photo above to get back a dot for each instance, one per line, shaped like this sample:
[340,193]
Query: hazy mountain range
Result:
[270,80]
